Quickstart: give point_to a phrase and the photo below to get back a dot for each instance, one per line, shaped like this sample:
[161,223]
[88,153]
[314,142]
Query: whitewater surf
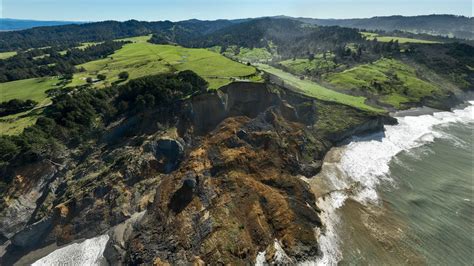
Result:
[366,187]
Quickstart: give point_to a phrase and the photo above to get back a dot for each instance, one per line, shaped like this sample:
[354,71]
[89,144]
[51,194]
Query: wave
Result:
[87,253]
[365,163]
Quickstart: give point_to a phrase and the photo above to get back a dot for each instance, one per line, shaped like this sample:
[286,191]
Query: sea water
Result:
[402,196]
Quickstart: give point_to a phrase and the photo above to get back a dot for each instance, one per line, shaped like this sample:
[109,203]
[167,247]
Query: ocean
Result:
[402,196]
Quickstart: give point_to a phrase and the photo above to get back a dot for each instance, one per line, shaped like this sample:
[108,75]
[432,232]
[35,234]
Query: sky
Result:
[175,10]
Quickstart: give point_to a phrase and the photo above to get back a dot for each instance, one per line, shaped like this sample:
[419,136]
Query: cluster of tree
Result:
[83,114]
[155,91]
[15,106]
[292,38]
[454,61]
[101,31]
[28,65]
[365,51]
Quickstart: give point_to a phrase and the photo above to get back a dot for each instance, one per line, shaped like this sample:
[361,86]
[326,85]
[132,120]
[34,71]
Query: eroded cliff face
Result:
[218,183]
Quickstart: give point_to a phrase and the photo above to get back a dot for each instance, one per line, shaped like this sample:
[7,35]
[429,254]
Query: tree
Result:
[123,75]
[101,77]
[68,76]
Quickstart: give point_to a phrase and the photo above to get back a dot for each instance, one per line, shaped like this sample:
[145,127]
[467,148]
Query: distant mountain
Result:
[444,25]
[7,24]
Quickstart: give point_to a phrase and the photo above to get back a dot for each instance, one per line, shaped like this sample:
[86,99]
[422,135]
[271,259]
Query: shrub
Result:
[123,75]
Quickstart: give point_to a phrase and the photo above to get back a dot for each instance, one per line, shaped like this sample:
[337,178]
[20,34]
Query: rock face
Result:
[28,187]
[168,152]
[237,99]
[220,182]
[233,197]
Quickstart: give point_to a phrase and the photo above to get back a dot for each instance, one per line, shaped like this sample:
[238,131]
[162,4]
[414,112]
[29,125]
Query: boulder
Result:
[168,152]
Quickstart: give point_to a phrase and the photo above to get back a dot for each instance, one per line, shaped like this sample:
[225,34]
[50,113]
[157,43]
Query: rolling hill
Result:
[444,25]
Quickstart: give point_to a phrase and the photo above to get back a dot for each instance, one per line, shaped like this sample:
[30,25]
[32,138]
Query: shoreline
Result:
[331,172]
[425,110]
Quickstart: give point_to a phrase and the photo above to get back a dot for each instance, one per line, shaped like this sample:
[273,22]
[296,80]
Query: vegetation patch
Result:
[321,63]
[141,58]
[15,124]
[371,36]
[6,55]
[392,81]
[29,89]
[254,55]
[315,90]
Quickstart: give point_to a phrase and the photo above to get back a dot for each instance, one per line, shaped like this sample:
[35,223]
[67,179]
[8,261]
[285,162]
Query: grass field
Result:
[6,55]
[141,58]
[302,66]
[33,89]
[394,82]
[371,36]
[14,124]
[317,91]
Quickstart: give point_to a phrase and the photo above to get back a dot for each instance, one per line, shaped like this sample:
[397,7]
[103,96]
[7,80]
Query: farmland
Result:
[317,91]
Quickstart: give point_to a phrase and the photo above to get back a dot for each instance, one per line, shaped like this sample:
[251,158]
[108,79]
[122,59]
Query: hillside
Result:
[101,31]
[444,25]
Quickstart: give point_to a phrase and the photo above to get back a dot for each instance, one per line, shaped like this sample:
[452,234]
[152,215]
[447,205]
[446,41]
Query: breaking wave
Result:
[365,163]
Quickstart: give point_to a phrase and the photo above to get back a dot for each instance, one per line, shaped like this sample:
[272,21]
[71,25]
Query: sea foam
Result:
[86,253]
[366,160]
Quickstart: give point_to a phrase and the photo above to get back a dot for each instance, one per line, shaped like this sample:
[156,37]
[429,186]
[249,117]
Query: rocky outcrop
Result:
[30,182]
[232,197]
[115,250]
[168,152]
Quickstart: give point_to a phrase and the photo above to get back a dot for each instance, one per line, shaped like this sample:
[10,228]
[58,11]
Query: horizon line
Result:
[92,21]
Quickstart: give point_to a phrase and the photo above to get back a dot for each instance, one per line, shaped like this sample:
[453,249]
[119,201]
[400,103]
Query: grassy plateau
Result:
[317,91]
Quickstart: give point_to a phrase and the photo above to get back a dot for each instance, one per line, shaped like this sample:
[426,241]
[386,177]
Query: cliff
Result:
[218,183]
